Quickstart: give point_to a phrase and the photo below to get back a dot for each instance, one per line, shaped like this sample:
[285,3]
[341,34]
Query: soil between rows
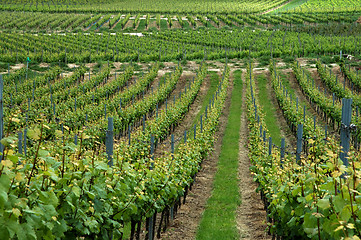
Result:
[187,121]
[251,216]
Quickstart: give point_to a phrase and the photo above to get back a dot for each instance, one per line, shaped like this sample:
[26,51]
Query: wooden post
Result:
[27,67]
[109,141]
[264,136]
[172,145]
[345,129]
[269,146]
[143,123]
[156,116]
[283,148]
[299,142]
[150,228]
[260,131]
[25,138]
[20,142]
[255,110]
[152,151]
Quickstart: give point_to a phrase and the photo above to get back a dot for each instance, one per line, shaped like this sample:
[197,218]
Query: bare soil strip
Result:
[251,216]
[186,123]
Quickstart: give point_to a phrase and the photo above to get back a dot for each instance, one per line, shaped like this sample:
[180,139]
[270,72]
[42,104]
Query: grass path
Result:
[268,108]
[219,218]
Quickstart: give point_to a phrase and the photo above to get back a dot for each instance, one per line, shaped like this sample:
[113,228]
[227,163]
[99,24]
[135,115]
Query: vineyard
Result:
[180,119]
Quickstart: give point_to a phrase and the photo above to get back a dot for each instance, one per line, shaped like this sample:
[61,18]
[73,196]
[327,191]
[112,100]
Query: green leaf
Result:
[51,174]
[34,133]
[49,198]
[58,134]
[91,195]
[346,213]
[13,158]
[309,197]
[4,182]
[310,224]
[3,198]
[339,203]
[98,205]
[43,153]
[102,166]
[4,233]
[329,186]
[13,227]
[324,203]
[49,211]
[59,228]
[16,212]
[7,141]
[76,191]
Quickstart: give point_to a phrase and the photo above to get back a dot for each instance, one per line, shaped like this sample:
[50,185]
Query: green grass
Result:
[219,218]
[163,24]
[118,27]
[92,28]
[186,25]
[268,109]
[209,25]
[141,26]
[36,67]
